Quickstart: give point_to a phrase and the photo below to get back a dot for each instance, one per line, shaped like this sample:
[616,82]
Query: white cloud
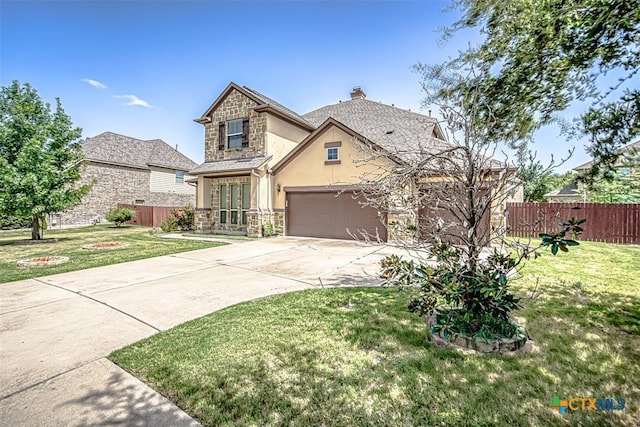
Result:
[95,83]
[134,100]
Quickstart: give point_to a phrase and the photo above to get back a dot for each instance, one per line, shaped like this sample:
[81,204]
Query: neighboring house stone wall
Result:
[236,106]
[118,184]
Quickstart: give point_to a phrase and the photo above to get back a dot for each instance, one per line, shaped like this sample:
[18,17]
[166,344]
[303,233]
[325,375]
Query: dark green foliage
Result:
[183,220]
[40,157]
[558,240]
[120,215]
[473,302]
[538,57]
[8,222]
[457,322]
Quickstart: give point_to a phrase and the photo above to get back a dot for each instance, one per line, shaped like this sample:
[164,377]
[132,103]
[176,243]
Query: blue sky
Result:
[148,68]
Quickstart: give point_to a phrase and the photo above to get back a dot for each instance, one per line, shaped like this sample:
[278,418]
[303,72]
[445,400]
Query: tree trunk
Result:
[35,228]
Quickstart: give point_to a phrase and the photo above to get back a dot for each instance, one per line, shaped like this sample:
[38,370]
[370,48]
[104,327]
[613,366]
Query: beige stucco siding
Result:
[163,180]
[308,167]
[282,137]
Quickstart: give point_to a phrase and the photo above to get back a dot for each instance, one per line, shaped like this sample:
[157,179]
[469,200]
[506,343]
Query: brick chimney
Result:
[358,93]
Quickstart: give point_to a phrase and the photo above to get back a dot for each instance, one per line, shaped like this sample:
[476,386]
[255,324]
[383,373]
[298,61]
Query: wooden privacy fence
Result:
[613,223]
[149,216]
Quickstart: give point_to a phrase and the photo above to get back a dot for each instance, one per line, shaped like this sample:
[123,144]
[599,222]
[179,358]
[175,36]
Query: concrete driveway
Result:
[56,331]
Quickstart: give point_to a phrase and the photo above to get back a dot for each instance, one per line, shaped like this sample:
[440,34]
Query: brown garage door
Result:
[329,215]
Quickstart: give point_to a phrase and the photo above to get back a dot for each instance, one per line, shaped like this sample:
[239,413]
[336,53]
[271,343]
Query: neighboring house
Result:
[267,165]
[576,192]
[568,194]
[132,171]
[629,159]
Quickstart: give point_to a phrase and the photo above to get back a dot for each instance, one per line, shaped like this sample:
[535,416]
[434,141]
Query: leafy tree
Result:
[448,196]
[40,157]
[537,179]
[624,187]
[537,57]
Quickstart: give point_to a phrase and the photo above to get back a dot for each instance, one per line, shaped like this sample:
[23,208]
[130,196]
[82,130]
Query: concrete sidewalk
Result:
[56,331]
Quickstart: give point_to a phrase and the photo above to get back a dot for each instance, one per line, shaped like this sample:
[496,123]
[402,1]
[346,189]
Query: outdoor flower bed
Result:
[105,245]
[42,261]
[516,345]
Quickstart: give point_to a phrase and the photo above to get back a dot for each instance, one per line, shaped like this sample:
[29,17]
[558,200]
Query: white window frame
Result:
[235,134]
[179,177]
[337,155]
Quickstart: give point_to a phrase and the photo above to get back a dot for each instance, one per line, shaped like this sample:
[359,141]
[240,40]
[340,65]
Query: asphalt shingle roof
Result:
[631,149]
[113,148]
[396,130]
[231,165]
[268,101]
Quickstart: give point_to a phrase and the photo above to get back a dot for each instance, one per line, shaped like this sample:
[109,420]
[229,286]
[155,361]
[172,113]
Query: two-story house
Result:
[267,165]
[122,169]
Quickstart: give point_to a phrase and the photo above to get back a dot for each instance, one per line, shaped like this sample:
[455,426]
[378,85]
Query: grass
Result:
[70,242]
[355,356]
[220,236]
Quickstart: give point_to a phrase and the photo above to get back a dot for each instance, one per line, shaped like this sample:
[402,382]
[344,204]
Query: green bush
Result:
[120,215]
[267,229]
[10,222]
[183,220]
[170,224]
[474,301]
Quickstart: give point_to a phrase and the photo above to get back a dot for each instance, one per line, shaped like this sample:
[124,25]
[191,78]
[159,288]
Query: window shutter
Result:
[221,136]
[245,133]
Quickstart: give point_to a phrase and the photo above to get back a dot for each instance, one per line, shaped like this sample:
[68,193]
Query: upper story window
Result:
[233,134]
[333,153]
[179,177]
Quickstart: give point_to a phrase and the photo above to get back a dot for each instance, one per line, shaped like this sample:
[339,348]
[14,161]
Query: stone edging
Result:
[502,346]
[35,242]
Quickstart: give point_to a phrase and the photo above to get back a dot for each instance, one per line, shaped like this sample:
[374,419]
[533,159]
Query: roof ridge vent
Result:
[358,93]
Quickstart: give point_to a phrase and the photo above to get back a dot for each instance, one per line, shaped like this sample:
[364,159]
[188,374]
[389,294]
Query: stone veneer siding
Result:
[117,184]
[208,220]
[235,106]
[402,226]
[215,205]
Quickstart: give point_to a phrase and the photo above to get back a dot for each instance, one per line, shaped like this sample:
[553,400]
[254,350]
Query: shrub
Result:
[474,302]
[183,220]
[9,222]
[170,224]
[267,229]
[120,215]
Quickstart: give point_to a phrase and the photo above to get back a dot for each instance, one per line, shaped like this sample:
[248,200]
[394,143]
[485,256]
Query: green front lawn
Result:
[357,357]
[142,244]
